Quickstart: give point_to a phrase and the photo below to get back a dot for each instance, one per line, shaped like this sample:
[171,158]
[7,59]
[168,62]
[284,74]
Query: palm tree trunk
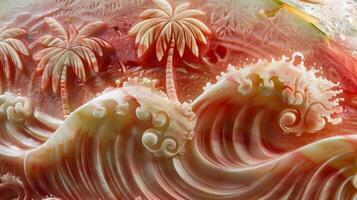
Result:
[63,92]
[170,75]
[2,86]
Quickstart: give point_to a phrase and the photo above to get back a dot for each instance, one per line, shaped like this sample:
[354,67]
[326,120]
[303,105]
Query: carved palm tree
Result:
[170,27]
[10,50]
[74,50]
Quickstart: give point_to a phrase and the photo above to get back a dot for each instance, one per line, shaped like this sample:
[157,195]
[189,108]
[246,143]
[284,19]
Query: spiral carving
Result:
[168,134]
[12,187]
[130,141]
[14,108]
[305,101]
[119,135]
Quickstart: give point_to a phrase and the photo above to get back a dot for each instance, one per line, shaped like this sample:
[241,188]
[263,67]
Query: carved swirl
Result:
[133,142]
[289,120]
[14,108]
[108,148]
[159,145]
[165,137]
[305,101]
[170,124]
[150,139]
[12,187]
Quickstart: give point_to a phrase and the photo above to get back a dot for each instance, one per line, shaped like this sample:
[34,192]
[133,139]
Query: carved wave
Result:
[134,143]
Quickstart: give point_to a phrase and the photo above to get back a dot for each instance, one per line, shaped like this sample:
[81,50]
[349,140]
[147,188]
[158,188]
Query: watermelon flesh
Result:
[265,110]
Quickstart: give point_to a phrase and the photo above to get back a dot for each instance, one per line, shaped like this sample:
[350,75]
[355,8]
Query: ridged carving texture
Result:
[11,50]
[235,141]
[306,101]
[126,141]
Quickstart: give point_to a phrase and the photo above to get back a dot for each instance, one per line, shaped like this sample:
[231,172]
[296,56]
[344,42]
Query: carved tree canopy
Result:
[76,49]
[11,48]
[162,24]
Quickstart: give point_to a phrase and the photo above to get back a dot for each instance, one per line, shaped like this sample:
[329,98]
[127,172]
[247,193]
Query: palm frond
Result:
[161,24]
[72,33]
[88,55]
[50,41]
[199,24]
[70,59]
[162,41]
[11,48]
[44,57]
[90,29]
[77,64]
[148,39]
[74,60]
[12,33]
[93,45]
[71,50]
[11,52]
[180,38]
[164,6]
[18,46]
[196,31]
[101,42]
[5,63]
[57,74]
[56,27]
[181,7]
[39,55]
[190,41]
[141,28]
[189,13]
[48,70]
[61,61]
[153,13]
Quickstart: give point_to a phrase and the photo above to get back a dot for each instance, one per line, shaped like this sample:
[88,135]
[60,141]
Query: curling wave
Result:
[233,142]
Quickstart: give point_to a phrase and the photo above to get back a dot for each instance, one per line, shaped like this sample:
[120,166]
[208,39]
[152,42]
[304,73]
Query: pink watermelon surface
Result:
[87,113]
